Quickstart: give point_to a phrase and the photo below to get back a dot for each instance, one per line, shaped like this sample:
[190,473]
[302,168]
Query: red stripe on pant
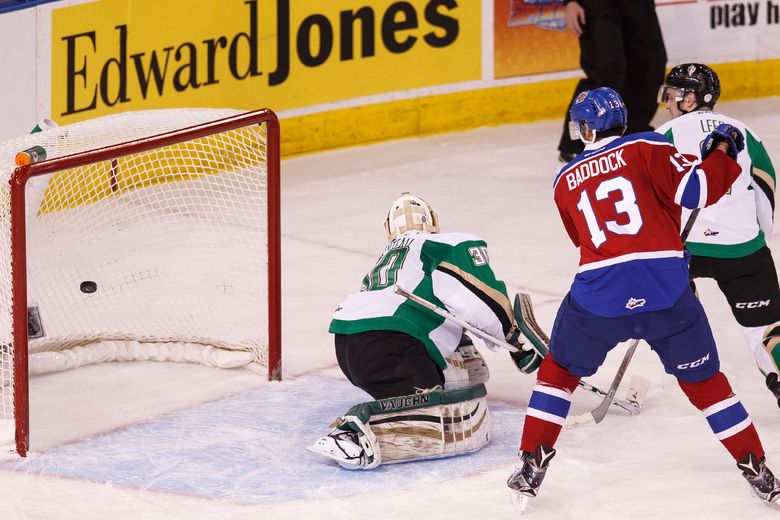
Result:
[537,432]
[714,390]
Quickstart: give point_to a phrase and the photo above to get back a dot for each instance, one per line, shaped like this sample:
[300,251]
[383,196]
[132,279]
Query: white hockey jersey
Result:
[451,270]
[737,224]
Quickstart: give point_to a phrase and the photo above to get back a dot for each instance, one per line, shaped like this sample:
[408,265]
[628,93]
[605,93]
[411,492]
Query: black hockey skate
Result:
[773,385]
[527,478]
[762,482]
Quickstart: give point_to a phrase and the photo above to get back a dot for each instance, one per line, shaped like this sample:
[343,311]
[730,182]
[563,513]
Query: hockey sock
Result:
[548,407]
[728,419]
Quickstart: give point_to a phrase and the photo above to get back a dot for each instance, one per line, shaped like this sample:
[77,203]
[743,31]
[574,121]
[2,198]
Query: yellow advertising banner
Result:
[531,38]
[116,55]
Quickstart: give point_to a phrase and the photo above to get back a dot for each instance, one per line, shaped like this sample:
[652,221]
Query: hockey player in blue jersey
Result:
[620,203]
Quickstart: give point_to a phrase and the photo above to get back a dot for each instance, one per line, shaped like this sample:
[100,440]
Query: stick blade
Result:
[636,393]
[579,421]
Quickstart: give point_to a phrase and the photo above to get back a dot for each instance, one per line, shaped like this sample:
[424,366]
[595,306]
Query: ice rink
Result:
[177,441]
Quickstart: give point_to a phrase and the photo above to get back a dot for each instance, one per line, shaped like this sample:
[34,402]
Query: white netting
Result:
[174,242]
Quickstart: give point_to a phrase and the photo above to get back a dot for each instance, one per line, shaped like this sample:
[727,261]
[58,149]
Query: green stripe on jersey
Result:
[727,250]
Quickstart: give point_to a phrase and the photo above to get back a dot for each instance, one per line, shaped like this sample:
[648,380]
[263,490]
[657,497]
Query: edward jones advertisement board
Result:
[118,55]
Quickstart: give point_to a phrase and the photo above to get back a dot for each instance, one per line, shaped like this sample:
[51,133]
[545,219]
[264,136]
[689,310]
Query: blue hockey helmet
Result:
[602,109]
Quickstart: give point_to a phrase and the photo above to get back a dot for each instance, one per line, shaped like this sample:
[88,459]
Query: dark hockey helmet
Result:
[691,77]
[602,109]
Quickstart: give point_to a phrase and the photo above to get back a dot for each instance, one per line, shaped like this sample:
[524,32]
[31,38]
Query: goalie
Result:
[424,373]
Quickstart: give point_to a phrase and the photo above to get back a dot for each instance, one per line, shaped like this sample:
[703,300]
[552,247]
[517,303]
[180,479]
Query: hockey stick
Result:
[531,329]
[688,225]
[597,414]
[631,408]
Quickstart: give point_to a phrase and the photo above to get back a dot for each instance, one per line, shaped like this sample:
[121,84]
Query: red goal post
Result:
[173,215]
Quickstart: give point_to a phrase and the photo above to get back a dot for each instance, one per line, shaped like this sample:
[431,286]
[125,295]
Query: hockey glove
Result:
[527,361]
[724,133]
[513,338]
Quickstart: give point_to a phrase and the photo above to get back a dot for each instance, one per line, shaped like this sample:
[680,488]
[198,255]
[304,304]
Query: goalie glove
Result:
[529,360]
[526,361]
[724,133]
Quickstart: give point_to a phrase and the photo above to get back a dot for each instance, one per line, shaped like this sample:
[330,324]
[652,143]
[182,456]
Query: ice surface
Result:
[159,441]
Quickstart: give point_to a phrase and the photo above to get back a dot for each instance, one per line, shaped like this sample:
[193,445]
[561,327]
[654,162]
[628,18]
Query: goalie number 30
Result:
[384,273]
[626,205]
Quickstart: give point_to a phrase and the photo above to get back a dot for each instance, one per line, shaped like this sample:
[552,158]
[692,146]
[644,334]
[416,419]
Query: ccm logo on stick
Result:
[694,364]
[752,305]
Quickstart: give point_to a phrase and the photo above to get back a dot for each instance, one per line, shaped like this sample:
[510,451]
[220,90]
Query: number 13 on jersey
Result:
[625,205]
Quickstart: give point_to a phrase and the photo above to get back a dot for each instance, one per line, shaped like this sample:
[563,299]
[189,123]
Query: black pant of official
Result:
[621,47]
[385,363]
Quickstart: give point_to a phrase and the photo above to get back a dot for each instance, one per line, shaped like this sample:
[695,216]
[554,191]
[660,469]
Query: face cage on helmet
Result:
[577,131]
[434,225]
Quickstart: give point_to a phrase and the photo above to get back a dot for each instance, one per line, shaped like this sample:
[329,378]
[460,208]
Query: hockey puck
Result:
[88,287]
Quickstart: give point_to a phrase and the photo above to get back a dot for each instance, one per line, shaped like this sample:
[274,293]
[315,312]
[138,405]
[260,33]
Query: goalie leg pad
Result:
[465,367]
[455,423]
[428,425]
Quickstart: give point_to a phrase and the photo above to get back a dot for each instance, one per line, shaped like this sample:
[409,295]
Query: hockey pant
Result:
[750,285]
[551,400]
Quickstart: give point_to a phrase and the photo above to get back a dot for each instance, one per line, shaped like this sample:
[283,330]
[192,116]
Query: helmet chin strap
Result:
[588,141]
[693,109]
[681,109]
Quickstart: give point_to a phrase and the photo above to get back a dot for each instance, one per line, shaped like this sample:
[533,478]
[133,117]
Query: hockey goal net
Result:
[150,235]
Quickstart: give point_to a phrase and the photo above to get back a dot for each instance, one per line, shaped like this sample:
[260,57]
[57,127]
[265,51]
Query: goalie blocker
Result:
[428,425]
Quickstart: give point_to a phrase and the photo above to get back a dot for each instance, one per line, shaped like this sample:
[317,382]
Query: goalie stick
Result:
[449,316]
[632,408]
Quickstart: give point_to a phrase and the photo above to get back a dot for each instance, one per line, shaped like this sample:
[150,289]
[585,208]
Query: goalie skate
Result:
[354,447]
[345,448]
[763,484]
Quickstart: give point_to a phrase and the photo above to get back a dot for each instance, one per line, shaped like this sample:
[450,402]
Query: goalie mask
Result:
[410,213]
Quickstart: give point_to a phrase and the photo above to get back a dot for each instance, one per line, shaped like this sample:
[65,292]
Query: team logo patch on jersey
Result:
[710,233]
[633,303]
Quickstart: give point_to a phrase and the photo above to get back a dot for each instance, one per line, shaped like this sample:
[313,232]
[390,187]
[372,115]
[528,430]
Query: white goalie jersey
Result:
[450,270]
